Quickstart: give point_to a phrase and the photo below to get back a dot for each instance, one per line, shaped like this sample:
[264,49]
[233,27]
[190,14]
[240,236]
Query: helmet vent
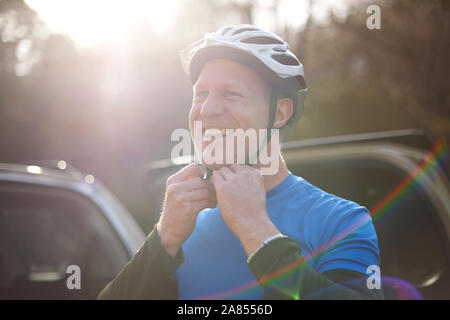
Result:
[243,30]
[285,59]
[279,49]
[261,40]
[225,30]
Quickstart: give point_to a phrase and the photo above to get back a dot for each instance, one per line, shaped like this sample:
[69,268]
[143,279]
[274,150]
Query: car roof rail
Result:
[412,137]
[60,165]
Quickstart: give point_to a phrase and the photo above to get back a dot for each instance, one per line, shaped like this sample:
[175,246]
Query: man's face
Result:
[228,95]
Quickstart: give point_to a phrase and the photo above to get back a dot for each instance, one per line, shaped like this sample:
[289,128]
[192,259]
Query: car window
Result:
[413,245]
[45,230]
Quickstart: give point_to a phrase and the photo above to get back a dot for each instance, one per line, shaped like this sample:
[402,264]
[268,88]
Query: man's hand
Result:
[241,196]
[186,195]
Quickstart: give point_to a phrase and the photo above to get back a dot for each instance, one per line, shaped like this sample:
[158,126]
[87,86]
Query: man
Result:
[241,234]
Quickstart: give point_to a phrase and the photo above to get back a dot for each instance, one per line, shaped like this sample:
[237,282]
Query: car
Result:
[63,235]
[403,182]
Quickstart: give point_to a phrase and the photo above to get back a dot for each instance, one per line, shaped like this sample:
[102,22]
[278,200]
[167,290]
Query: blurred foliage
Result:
[111,111]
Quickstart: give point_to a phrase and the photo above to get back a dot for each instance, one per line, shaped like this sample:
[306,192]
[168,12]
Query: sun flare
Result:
[91,23]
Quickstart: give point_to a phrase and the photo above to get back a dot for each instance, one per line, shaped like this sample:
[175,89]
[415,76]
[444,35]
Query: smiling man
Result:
[243,234]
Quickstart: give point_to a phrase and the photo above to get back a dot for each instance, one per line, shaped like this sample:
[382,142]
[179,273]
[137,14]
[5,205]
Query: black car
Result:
[63,235]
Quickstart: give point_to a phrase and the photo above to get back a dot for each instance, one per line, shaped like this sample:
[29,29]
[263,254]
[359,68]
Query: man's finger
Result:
[190,171]
[216,178]
[226,173]
[199,194]
[189,185]
[203,204]
[235,168]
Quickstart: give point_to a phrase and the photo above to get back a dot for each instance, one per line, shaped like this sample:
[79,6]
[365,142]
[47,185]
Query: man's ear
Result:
[285,109]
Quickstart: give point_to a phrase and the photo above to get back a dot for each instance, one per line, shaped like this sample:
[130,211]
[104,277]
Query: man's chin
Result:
[215,166]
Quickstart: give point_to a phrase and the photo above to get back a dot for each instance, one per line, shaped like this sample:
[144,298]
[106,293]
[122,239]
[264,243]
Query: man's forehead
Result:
[220,81]
[227,73]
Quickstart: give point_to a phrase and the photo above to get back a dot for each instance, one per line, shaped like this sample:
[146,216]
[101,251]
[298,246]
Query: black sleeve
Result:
[284,273]
[147,275]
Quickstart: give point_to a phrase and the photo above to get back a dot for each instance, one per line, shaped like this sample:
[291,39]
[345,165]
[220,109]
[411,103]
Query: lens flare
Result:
[434,159]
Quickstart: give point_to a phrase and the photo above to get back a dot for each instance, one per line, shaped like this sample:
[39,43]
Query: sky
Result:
[70,17]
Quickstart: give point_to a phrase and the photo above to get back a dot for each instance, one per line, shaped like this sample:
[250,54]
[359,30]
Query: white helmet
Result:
[261,50]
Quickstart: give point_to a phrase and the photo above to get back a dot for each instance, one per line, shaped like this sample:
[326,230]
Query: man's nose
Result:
[212,106]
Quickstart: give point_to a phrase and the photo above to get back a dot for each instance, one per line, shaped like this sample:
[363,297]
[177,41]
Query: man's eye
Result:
[200,95]
[232,94]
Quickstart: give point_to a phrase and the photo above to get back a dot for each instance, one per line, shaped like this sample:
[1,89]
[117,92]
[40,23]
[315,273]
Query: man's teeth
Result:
[214,132]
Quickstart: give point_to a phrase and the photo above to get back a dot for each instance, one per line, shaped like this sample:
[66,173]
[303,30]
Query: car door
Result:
[49,234]
[413,243]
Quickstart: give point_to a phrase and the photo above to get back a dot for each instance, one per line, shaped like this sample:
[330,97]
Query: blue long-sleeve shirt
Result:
[331,242]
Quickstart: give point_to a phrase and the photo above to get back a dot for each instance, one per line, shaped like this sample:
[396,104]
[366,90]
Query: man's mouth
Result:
[214,132]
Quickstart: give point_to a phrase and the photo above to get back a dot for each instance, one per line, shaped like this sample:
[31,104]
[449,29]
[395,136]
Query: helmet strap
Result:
[272,112]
